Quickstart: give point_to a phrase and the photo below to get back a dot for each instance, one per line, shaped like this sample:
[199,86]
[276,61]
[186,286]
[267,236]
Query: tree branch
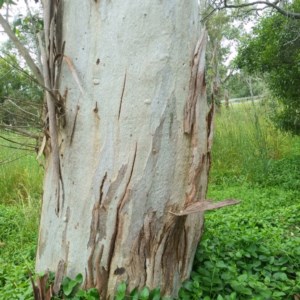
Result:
[22,50]
[288,14]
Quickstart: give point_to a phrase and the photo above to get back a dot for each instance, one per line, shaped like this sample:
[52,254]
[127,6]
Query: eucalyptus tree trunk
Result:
[128,141]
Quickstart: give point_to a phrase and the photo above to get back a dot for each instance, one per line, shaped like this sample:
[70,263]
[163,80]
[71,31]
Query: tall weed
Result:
[246,144]
[20,194]
[20,174]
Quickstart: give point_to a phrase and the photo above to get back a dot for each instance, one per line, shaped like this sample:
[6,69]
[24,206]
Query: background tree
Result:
[226,29]
[21,98]
[273,52]
[240,84]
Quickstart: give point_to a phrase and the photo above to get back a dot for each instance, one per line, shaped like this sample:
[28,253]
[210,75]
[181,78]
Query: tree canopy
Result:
[273,51]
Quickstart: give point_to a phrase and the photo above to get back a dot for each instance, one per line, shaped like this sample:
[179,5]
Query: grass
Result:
[20,190]
[248,251]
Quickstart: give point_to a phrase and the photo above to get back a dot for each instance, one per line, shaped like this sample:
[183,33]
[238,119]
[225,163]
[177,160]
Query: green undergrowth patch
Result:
[248,148]
[250,251]
[18,239]
[21,175]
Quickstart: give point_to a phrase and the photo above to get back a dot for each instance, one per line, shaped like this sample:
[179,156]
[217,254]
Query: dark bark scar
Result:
[74,124]
[122,94]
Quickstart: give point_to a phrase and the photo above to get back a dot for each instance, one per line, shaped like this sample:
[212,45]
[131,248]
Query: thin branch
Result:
[7,161]
[20,131]
[209,14]
[17,148]
[274,5]
[20,108]
[28,75]
[14,142]
[22,50]
[18,68]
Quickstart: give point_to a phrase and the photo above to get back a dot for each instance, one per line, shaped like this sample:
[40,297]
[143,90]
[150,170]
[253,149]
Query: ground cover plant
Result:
[249,251]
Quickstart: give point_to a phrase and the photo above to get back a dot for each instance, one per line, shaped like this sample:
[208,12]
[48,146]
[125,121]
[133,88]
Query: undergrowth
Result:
[248,251]
[20,193]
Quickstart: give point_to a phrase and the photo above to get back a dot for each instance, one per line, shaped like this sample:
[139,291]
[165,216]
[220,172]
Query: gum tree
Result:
[131,147]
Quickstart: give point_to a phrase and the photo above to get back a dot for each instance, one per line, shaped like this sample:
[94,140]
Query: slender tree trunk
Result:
[134,147]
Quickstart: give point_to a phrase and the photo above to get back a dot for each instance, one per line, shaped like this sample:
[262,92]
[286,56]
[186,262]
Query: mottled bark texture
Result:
[130,141]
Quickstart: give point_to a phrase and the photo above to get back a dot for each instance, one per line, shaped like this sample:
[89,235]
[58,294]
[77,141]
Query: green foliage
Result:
[20,190]
[20,174]
[27,25]
[273,51]
[20,97]
[135,294]
[18,238]
[14,281]
[248,147]
[71,289]
[242,85]
[250,251]
[10,2]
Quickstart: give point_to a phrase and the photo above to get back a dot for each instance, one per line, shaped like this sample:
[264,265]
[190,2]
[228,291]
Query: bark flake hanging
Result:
[197,83]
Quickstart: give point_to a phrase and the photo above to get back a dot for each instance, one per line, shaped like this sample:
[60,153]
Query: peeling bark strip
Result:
[210,126]
[51,71]
[205,205]
[197,83]
[92,240]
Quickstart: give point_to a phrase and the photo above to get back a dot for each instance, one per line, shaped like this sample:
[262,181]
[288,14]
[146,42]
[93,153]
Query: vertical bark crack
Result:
[74,124]
[122,94]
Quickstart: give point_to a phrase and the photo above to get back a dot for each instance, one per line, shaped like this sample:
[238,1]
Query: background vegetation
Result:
[250,251]
[272,52]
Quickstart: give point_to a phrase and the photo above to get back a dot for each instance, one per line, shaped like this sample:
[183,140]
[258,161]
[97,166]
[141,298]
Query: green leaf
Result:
[221,264]
[281,261]
[278,294]
[134,294]
[121,291]
[93,293]
[155,294]
[243,278]
[240,288]
[280,276]
[144,295]
[79,278]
